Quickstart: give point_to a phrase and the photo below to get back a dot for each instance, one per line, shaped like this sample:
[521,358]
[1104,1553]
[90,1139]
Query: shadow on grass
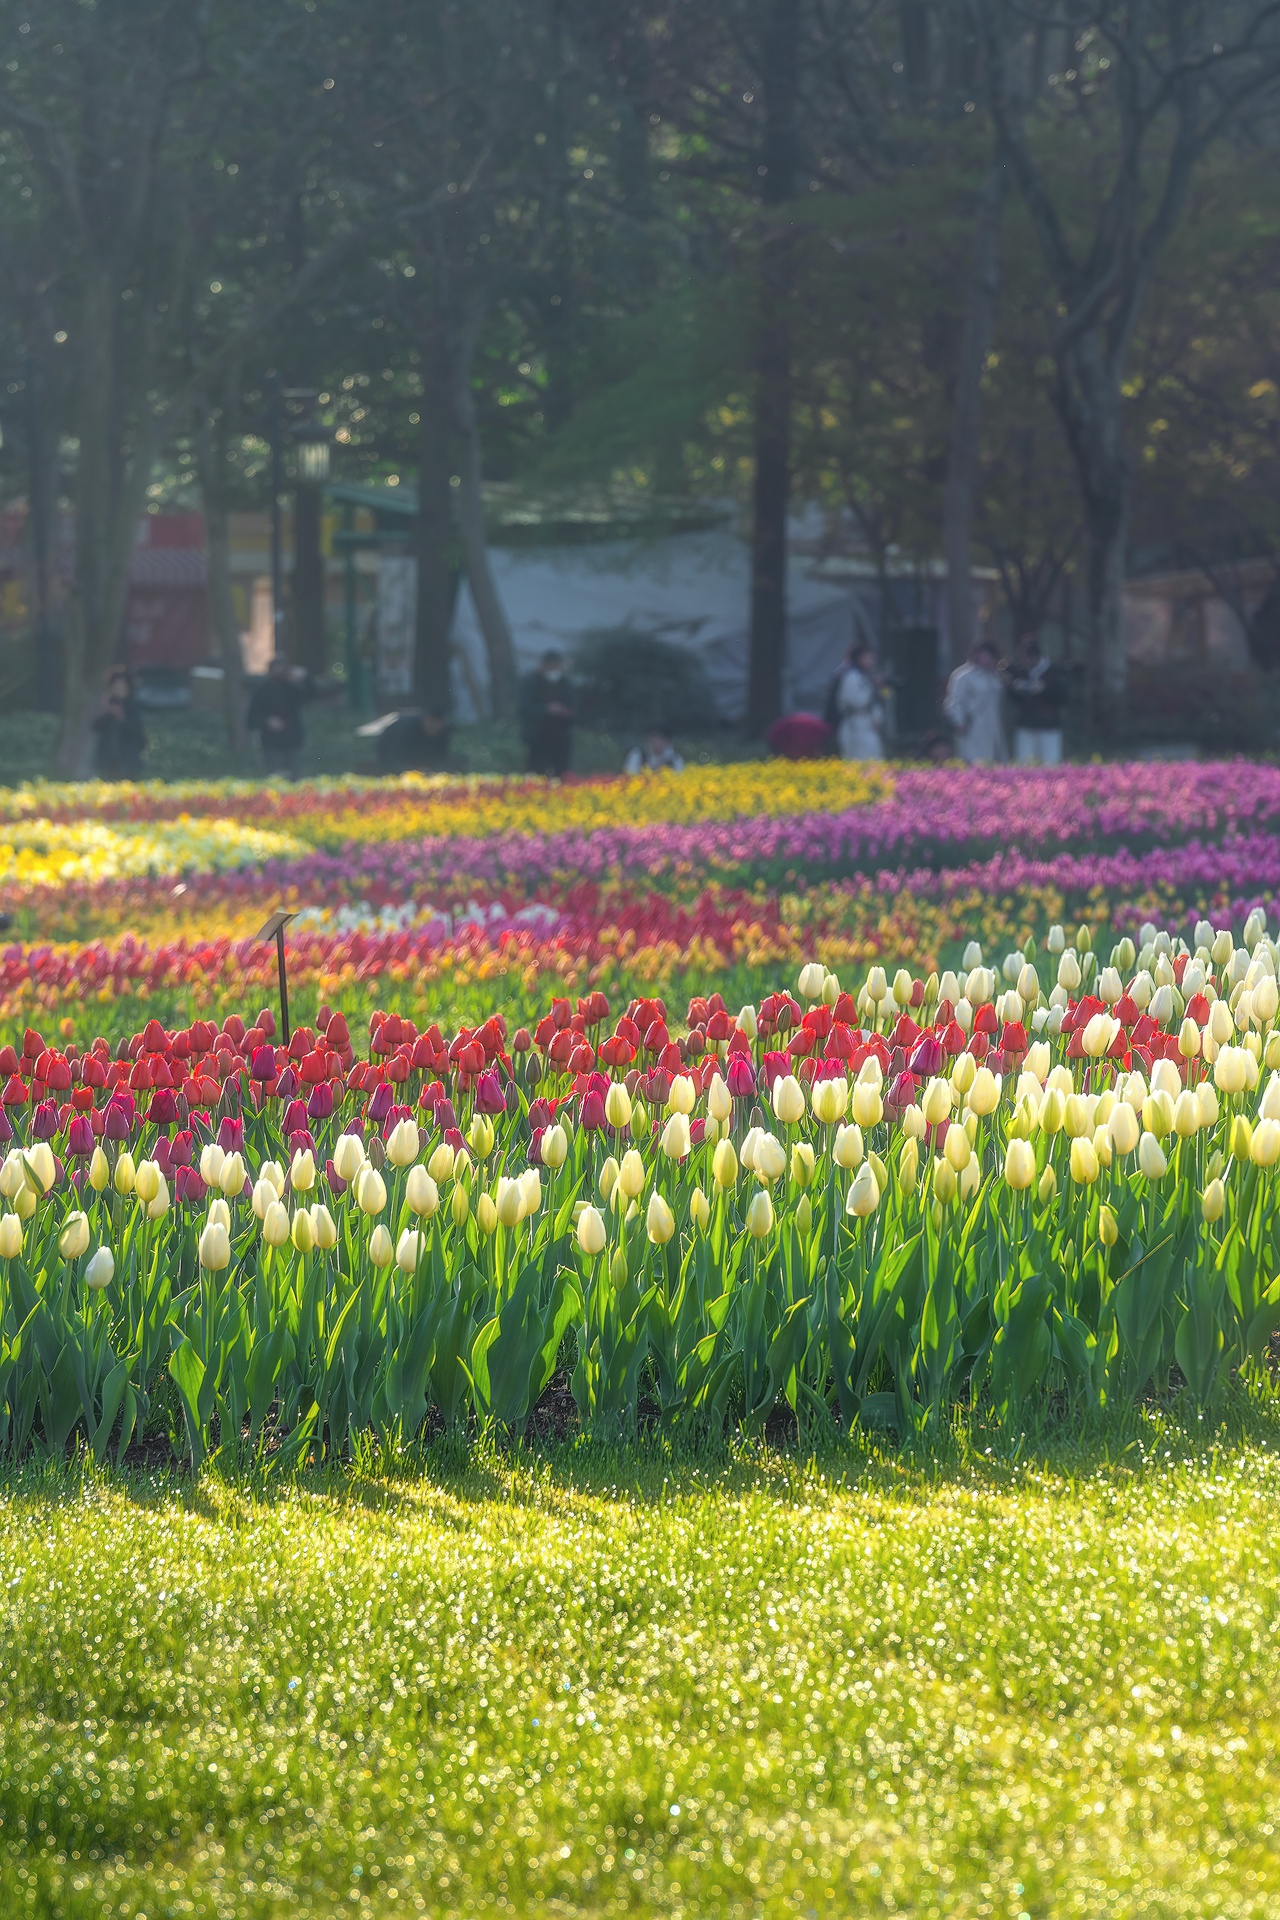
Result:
[1054,1454]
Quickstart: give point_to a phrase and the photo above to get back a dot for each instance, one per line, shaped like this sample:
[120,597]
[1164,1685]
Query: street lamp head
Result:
[311,441]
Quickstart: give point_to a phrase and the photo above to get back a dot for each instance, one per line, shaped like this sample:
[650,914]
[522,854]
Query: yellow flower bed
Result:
[49,854]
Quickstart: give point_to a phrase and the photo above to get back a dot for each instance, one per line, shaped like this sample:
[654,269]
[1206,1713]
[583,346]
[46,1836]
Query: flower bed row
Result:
[1054,1179]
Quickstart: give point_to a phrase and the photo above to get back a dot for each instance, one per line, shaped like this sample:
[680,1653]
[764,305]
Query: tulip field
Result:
[1034,1176]
[724,1366]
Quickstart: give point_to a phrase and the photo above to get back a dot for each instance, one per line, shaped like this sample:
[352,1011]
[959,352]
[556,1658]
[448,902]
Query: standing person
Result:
[657,755]
[1035,694]
[975,693]
[547,716]
[275,714]
[120,738]
[856,705]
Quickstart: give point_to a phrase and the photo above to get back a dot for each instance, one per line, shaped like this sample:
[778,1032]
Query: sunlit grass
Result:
[588,1682]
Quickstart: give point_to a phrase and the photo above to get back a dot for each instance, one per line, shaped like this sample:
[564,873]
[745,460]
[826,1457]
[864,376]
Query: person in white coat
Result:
[973,705]
[859,720]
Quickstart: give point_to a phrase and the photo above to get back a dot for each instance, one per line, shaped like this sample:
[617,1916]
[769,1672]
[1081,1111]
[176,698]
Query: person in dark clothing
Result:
[547,716]
[1035,695]
[414,743]
[120,739]
[275,713]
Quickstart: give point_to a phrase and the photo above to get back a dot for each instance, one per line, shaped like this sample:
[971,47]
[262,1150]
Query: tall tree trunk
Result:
[962,459]
[308,581]
[434,540]
[503,680]
[772,488]
[211,459]
[109,496]
[1089,402]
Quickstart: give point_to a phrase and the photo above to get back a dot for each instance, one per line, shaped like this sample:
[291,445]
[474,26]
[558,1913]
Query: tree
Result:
[1103,161]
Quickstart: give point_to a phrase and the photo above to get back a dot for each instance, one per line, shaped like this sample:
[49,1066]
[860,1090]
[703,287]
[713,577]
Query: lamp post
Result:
[311,442]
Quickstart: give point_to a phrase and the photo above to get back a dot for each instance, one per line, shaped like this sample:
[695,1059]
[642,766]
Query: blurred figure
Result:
[857,702]
[657,755]
[120,738]
[547,716]
[975,694]
[937,747]
[414,743]
[1035,695]
[275,714]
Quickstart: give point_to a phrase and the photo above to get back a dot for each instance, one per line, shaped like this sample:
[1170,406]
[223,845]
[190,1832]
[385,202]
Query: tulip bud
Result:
[421,1192]
[348,1157]
[215,1247]
[1019,1165]
[74,1238]
[1151,1158]
[99,1170]
[659,1222]
[608,1177]
[302,1232]
[914,1124]
[1220,1027]
[402,1146]
[1240,1138]
[868,1107]
[275,1224]
[902,984]
[1264,1148]
[10,1236]
[370,1192]
[125,1174]
[759,1221]
[848,1149]
[1213,1202]
[1230,1069]
[699,1209]
[480,1136]
[863,1196]
[719,1099]
[323,1227]
[877,987]
[460,1206]
[1084,1162]
[231,1175]
[944,1181]
[1048,1186]
[811,982]
[935,1103]
[1186,1115]
[631,1174]
[381,1248]
[101,1269]
[408,1249]
[507,1200]
[769,1161]
[802,1164]
[1108,1226]
[618,1274]
[591,1233]
[788,1100]
[617,1108]
[829,1100]
[675,1141]
[908,1166]
[440,1165]
[146,1181]
[1124,1129]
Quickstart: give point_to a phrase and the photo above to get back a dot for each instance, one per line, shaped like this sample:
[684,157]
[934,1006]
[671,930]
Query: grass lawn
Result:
[591,1682]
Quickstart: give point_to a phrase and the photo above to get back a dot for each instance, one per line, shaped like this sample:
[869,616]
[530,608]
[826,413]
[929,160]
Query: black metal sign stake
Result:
[274,930]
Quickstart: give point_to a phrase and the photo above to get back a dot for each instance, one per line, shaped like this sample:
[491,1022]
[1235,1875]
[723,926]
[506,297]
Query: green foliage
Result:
[633,681]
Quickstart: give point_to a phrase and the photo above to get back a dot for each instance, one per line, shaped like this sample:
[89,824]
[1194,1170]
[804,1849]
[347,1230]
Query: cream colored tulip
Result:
[402,1144]
[1207,1101]
[215,1247]
[509,1202]
[607,1179]
[935,1102]
[719,1099]
[231,1178]
[302,1232]
[440,1165]
[699,1209]
[1124,1128]
[631,1174]
[370,1191]
[759,1220]
[802,1164]
[1084,1162]
[381,1247]
[908,1166]
[272,1172]
[1186,1115]
[617,1107]
[460,1206]
[1019,1165]
[302,1170]
[101,1269]
[409,1250]
[530,1185]
[10,1236]
[848,1149]
[125,1172]
[421,1192]
[829,1100]
[914,1124]
[956,1149]
[480,1135]
[963,1072]
[348,1157]
[812,978]
[1151,1158]
[1213,1202]
[864,1195]
[1265,1148]
[788,1100]
[99,1170]
[1108,1226]
[275,1224]
[211,1160]
[591,1232]
[683,1096]
[868,1107]
[219,1213]
[146,1181]
[674,1142]
[724,1164]
[770,1159]
[1221,1027]
[659,1221]
[74,1238]
[944,1181]
[323,1227]
[984,1094]
[263,1196]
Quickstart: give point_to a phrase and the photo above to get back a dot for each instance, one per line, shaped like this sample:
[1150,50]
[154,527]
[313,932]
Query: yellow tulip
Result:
[323,1227]
[724,1164]
[408,1250]
[275,1224]
[303,1233]
[699,1209]
[402,1148]
[1019,1165]
[617,1107]
[381,1248]
[788,1100]
[215,1247]
[371,1192]
[591,1232]
[864,1195]
[1213,1203]
[10,1236]
[1108,1226]
[848,1149]
[74,1238]
[421,1192]
[480,1135]
[659,1222]
[1151,1158]
[760,1215]
[99,1170]
[802,1164]
[1084,1161]
[348,1156]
